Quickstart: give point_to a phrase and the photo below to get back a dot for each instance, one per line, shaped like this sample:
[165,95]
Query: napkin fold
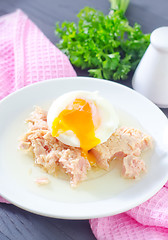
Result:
[27,56]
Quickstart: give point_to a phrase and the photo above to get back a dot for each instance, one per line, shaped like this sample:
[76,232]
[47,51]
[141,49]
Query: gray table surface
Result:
[16,223]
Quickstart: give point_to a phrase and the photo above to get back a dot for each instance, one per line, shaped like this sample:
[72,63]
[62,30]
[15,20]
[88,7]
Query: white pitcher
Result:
[151,75]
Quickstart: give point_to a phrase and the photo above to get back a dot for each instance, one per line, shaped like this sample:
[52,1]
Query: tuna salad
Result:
[125,144]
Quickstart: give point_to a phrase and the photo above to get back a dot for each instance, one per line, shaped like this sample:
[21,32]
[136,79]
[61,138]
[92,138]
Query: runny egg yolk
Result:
[83,119]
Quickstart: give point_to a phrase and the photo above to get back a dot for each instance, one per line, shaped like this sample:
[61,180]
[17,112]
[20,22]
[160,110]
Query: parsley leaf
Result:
[105,44]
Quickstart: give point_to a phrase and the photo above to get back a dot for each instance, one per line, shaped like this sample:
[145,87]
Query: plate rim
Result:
[78,216]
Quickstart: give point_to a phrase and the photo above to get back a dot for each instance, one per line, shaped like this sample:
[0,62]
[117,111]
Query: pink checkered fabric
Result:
[26,55]
[147,221]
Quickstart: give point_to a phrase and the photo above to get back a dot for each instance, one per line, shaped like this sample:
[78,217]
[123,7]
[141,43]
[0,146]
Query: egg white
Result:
[109,118]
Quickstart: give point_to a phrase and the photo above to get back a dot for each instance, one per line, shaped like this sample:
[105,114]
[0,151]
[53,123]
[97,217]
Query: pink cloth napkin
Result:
[27,56]
[147,221]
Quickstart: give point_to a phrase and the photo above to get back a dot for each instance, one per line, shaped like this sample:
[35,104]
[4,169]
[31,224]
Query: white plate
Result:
[105,195]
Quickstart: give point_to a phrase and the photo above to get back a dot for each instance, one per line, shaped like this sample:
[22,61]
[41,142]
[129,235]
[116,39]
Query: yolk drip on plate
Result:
[83,119]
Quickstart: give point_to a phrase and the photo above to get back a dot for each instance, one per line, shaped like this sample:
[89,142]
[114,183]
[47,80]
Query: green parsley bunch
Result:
[105,44]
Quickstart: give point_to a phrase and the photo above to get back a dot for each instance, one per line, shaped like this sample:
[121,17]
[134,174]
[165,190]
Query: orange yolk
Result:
[82,118]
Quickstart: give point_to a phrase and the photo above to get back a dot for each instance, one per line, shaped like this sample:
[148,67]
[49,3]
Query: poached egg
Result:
[82,119]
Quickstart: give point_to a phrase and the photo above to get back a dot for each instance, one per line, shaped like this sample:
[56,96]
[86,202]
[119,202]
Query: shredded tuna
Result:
[50,153]
[126,144]
[42,181]
[38,120]
[132,166]
[75,165]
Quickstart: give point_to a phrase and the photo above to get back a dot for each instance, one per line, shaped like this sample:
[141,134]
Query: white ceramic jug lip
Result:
[159,38]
